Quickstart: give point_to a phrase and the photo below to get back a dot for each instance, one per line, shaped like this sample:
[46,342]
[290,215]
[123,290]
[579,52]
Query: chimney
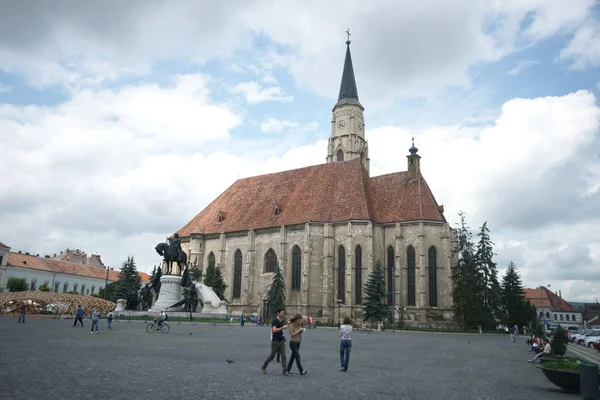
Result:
[54,255]
[47,256]
[560,294]
[19,251]
[26,253]
[37,255]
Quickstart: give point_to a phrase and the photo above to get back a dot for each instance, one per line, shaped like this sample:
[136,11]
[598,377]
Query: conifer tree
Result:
[276,296]
[196,273]
[129,283]
[153,273]
[516,308]
[558,345]
[374,304]
[467,280]
[491,296]
[214,279]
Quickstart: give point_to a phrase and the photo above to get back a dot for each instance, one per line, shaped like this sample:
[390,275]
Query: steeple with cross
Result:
[347,140]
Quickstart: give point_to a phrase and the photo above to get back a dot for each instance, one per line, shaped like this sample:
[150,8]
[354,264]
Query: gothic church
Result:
[327,226]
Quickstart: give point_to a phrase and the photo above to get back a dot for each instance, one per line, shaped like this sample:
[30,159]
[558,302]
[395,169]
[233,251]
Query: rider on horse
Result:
[175,244]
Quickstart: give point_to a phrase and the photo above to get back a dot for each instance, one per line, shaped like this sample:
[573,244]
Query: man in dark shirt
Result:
[278,342]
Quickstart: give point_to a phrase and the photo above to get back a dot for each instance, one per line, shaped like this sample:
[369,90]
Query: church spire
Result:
[348,92]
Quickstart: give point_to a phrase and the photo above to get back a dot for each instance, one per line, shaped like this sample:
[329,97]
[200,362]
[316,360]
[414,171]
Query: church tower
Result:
[347,140]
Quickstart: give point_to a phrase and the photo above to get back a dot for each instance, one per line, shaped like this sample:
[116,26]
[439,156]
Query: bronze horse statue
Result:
[170,255]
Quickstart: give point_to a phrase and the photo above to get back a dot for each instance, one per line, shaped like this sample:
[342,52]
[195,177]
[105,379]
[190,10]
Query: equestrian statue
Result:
[172,252]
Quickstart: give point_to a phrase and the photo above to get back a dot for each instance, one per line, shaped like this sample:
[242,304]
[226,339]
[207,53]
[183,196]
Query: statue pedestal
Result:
[170,293]
[120,305]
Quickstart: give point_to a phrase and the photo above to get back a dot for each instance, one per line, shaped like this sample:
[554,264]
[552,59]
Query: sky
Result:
[120,121]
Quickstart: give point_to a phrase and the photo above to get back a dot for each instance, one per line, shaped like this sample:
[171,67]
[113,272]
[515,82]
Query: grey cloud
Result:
[571,263]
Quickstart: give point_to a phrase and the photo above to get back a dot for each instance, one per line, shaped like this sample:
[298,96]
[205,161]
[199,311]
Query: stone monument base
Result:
[170,293]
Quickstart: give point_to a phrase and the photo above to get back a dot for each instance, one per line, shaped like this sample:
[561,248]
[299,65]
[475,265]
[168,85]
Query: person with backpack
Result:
[109,319]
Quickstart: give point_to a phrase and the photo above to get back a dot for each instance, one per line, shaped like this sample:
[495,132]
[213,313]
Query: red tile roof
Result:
[331,192]
[64,267]
[543,297]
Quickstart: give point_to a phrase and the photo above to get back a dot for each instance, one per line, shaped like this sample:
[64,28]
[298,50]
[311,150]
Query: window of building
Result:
[1,259]
[276,211]
[237,274]
[573,316]
[358,275]
[411,265]
[270,261]
[32,285]
[56,286]
[93,289]
[66,287]
[432,276]
[220,217]
[340,155]
[211,260]
[548,314]
[75,286]
[567,317]
[341,274]
[390,274]
[541,314]
[83,289]
[555,317]
[296,268]
[561,317]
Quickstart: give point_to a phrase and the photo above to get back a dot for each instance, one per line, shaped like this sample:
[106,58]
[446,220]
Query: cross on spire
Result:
[349,34]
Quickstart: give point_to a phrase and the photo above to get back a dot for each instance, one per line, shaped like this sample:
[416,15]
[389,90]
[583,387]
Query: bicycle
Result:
[151,327]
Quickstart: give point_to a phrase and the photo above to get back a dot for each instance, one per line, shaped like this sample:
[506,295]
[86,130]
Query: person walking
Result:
[513,332]
[345,343]
[296,330]
[277,342]
[79,313]
[23,312]
[95,321]
[109,319]
[308,322]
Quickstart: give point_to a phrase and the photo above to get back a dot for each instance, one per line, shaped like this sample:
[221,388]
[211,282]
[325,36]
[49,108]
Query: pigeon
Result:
[229,361]
[191,333]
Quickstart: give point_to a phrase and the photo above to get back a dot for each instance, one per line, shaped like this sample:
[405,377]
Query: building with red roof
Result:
[327,226]
[554,311]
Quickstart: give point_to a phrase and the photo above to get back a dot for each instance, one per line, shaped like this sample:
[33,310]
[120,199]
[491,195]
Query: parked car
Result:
[580,335]
[597,345]
[572,333]
[591,334]
[591,339]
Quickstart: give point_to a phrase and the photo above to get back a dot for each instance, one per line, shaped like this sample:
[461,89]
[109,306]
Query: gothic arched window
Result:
[270,261]
[296,268]
[358,275]
[432,277]
[66,287]
[390,274]
[93,289]
[56,286]
[410,281]
[340,155]
[237,274]
[341,273]
[83,289]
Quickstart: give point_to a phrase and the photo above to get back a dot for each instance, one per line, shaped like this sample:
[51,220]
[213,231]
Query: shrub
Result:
[16,284]
[44,288]
[558,345]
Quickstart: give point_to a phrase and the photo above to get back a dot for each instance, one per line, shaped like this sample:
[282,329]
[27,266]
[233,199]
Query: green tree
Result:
[517,310]
[492,292]
[196,273]
[374,304]
[558,345]
[111,290]
[467,280]
[14,284]
[214,279]
[153,273]
[44,287]
[276,296]
[128,284]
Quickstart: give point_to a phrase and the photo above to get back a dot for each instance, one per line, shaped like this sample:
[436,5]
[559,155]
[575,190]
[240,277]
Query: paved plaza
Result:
[50,359]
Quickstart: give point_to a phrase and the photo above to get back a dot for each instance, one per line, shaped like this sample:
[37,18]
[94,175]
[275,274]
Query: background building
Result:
[69,271]
[553,311]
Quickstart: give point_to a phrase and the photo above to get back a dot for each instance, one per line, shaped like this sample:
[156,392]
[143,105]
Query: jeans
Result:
[159,323]
[78,319]
[538,355]
[276,348]
[22,316]
[295,347]
[94,325]
[109,322]
[345,347]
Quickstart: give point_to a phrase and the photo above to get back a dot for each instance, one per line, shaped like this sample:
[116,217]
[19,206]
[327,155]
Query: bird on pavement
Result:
[229,361]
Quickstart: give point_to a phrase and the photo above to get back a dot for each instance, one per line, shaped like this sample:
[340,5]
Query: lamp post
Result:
[597,307]
[402,317]
[53,277]
[339,303]
[265,299]
[394,297]
[106,282]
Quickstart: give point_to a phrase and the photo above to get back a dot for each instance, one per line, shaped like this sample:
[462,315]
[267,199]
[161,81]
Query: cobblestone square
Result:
[50,359]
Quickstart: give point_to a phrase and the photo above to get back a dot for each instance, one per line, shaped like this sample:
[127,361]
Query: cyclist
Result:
[162,317]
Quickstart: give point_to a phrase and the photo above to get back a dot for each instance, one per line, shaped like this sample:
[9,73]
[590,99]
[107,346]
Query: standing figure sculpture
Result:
[172,253]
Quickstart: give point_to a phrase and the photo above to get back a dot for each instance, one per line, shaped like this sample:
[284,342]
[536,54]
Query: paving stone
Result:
[50,359]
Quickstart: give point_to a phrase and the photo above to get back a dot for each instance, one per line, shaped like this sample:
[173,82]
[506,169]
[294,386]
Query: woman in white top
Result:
[345,343]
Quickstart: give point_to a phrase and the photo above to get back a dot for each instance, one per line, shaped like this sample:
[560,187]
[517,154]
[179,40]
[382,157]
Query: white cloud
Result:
[276,125]
[5,88]
[255,93]
[521,65]
[584,49]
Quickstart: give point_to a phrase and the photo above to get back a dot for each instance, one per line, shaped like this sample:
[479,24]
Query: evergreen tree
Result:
[467,280]
[276,296]
[153,273]
[492,292]
[111,290]
[214,279]
[558,345]
[129,284]
[517,310]
[196,273]
[374,304]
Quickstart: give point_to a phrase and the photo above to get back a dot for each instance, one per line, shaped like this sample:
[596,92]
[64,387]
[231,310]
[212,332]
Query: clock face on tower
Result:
[341,124]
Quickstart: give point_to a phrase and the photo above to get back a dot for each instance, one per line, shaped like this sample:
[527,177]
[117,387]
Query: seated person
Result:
[546,352]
